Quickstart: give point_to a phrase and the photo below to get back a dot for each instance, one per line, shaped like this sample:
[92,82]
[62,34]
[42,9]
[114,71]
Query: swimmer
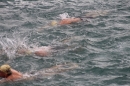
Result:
[15,47]
[66,19]
[39,51]
[8,74]
[42,51]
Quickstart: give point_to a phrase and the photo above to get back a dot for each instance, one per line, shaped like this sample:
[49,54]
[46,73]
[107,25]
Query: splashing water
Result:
[10,45]
[64,16]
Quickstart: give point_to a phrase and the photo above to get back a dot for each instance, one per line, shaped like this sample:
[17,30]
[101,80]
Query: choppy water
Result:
[100,46]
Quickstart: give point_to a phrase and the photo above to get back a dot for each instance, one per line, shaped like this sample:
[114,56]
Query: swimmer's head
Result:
[24,51]
[5,69]
[53,23]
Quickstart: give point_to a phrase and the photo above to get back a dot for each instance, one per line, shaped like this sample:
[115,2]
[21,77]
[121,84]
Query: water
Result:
[100,47]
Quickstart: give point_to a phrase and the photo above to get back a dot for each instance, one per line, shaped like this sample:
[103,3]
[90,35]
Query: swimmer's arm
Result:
[95,14]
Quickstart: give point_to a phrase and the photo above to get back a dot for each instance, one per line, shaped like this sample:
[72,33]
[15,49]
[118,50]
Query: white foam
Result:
[10,45]
[64,16]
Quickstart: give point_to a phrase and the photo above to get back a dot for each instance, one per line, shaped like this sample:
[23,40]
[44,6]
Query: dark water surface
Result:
[100,47]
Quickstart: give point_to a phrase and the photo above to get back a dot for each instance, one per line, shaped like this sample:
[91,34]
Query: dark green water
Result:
[100,47]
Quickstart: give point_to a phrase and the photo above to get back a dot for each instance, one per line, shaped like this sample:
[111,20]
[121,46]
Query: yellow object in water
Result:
[53,23]
[29,52]
[5,68]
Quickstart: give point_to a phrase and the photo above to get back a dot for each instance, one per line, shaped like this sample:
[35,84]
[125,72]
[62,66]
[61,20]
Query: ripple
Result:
[100,46]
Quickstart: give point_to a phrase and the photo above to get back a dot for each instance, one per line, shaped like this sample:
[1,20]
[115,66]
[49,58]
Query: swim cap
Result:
[5,68]
[28,52]
[53,23]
